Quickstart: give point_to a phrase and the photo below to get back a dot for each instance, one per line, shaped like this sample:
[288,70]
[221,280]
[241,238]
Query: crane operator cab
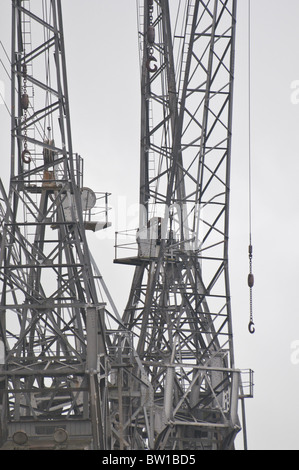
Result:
[149,238]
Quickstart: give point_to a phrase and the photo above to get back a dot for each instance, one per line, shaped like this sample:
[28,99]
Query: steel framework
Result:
[179,309]
[54,303]
[73,373]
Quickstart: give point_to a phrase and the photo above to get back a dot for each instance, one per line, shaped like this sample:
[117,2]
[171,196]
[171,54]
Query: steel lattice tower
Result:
[73,373]
[179,309]
[54,303]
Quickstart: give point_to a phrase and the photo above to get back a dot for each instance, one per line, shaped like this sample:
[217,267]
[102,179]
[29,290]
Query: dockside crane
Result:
[74,373]
[179,308]
[54,303]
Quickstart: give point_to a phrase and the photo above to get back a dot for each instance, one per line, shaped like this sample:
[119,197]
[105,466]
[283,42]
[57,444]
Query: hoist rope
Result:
[249,121]
[251,326]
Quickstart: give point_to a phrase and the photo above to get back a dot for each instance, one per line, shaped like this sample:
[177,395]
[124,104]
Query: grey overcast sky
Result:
[103,74]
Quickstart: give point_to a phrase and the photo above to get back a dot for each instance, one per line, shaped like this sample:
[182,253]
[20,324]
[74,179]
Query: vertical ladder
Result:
[27,47]
[140,22]
[185,47]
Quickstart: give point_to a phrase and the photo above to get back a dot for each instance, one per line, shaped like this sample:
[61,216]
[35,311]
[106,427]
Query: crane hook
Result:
[251,328]
[28,158]
[148,66]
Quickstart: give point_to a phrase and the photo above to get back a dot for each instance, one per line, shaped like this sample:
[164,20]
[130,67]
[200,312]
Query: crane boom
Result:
[179,307]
